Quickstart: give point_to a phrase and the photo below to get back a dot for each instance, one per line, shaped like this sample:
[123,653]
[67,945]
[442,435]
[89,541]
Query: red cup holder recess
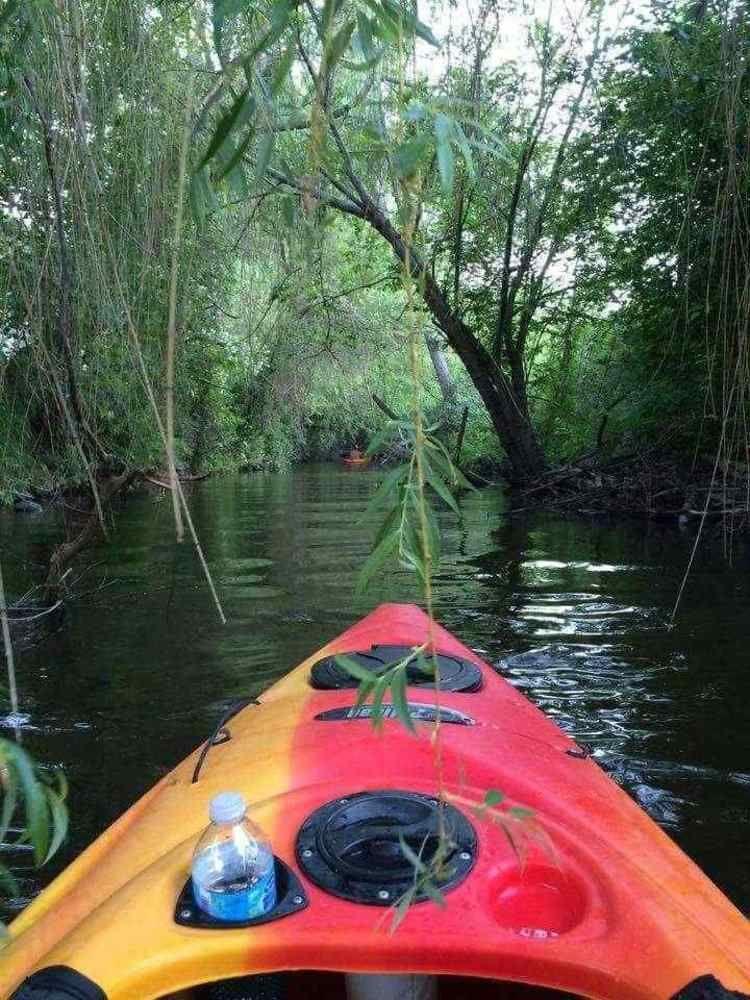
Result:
[538,901]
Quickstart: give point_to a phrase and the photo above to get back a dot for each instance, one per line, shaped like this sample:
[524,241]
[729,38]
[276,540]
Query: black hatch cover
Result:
[456,674]
[357,847]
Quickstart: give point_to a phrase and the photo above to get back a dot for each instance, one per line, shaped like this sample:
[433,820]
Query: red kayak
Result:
[548,877]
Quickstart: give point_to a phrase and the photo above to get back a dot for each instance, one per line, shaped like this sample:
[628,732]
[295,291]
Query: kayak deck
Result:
[604,905]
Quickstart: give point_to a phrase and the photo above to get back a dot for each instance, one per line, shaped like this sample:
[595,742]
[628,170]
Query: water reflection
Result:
[574,612]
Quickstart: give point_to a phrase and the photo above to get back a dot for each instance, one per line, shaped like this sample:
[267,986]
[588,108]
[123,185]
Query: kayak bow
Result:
[604,905]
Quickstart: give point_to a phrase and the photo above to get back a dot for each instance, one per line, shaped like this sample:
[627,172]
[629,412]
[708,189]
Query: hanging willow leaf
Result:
[410,22]
[282,70]
[279,20]
[387,548]
[400,701]
[383,25]
[364,36]
[387,491]
[35,804]
[238,183]
[463,145]
[7,10]
[355,669]
[236,156]
[202,197]
[37,799]
[222,10]
[244,102]
[339,44]
[263,154]
[443,134]
[409,155]
[289,210]
[330,9]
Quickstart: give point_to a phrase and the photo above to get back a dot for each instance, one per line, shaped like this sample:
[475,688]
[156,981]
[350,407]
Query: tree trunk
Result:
[64,553]
[505,399]
[442,371]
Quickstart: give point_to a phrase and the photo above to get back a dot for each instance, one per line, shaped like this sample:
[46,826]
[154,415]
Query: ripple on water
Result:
[576,612]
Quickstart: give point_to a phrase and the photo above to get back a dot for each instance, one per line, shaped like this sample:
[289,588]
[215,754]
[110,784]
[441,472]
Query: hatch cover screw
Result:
[384,894]
[186,914]
[343,801]
[297,900]
[465,856]
[307,853]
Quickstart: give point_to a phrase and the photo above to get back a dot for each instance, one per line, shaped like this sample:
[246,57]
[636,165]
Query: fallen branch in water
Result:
[647,484]
[64,553]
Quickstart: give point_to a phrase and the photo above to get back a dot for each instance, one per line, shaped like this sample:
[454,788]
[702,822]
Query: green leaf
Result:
[9,8]
[463,145]
[226,122]
[438,485]
[521,812]
[414,112]
[339,44]
[289,211]
[10,887]
[59,816]
[383,436]
[384,551]
[390,523]
[282,70]
[355,669]
[35,804]
[384,26]
[401,909]
[414,860]
[431,890]
[430,544]
[379,689]
[10,801]
[279,20]
[363,692]
[388,489]
[427,665]
[408,156]
[410,22]
[263,154]
[400,701]
[236,156]
[202,198]
[238,183]
[493,797]
[364,36]
[443,133]
[330,9]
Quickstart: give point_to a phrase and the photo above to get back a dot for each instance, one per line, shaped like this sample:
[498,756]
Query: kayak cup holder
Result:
[290,898]
[537,901]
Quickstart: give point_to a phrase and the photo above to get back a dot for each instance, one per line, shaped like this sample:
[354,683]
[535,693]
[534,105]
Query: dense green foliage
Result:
[578,230]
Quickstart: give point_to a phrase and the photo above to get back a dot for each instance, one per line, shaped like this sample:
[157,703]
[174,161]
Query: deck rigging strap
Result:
[220,735]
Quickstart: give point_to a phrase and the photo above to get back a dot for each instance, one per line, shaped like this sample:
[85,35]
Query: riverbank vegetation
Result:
[205,216]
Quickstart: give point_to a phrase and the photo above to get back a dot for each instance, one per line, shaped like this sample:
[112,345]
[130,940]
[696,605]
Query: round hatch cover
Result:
[362,847]
[456,675]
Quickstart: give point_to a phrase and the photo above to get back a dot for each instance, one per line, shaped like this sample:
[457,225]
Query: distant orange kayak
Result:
[356,462]
[594,900]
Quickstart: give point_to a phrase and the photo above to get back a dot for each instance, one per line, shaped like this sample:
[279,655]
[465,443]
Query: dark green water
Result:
[142,667]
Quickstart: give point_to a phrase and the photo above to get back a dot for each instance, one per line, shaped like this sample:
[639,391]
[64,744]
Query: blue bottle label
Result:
[225,899]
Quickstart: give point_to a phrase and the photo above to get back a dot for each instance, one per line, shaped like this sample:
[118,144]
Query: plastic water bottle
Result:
[233,872]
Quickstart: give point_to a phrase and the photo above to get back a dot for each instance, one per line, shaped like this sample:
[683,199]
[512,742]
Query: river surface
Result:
[142,667]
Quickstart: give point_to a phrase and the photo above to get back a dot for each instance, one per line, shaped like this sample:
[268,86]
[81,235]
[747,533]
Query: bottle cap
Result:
[227,807]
